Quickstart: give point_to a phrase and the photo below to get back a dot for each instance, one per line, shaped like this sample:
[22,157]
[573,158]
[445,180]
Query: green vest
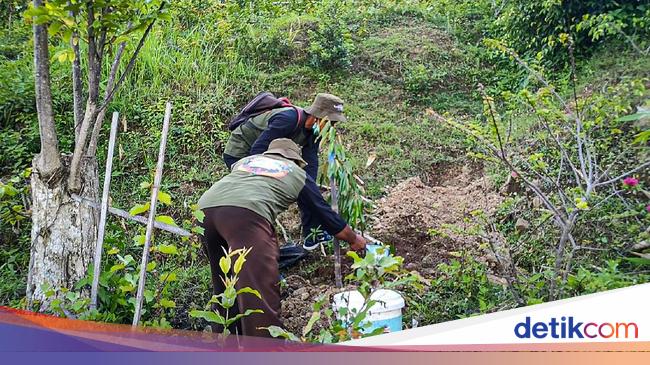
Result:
[243,137]
[265,184]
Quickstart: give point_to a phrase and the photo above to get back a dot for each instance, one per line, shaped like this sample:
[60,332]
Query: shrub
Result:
[330,44]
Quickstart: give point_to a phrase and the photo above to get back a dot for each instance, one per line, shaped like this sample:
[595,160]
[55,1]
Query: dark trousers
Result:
[235,228]
[308,220]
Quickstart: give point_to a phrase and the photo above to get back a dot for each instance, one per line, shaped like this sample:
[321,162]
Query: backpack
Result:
[262,103]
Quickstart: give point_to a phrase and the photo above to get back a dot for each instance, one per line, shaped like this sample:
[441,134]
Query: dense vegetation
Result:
[409,72]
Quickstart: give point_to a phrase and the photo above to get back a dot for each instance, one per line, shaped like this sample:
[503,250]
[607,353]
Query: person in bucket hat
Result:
[239,213]
[254,136]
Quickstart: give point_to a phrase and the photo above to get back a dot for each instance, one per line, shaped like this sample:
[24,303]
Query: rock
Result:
[511,186]
[497,280]
[300,291]
[522,225]
[428,260]
[411,266]
[304,296]
[430,271]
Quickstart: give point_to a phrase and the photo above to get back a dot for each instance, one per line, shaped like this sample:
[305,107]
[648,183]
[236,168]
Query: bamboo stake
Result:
[338,280]
[152,215]
[136,218]
[102,213]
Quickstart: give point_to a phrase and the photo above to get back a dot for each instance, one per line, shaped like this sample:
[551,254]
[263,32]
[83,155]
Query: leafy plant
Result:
[222,303]
[342,326]
[351,202]
[13,199]
[330,44]
[371,272]
[566,177]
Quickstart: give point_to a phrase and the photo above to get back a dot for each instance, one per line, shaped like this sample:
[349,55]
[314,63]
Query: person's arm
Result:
[281,125]
[310,155]
[311,197]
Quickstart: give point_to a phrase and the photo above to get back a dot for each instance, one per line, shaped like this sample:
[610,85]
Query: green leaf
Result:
[139,240]
[224,264]
[354,255]
[127,288]
[148,295]
[116,267]
[635,116]
[165,198]
[166,219]
[276,331]
[167,249]
[239,263]
[315,316]
[199,215]
[139,208]
[113,251]
[144,184]
[151,266]
[642,137]
[638,261]
[166,303]
[168,277]
[248,312]
[249,291]
[209,316]
[198,230]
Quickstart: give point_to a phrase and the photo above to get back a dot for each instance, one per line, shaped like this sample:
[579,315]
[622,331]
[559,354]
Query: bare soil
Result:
[427,218]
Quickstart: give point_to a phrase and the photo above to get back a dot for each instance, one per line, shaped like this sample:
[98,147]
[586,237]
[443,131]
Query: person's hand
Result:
[359,243]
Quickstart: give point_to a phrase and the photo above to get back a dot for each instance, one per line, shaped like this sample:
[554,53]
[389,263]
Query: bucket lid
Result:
[387,300]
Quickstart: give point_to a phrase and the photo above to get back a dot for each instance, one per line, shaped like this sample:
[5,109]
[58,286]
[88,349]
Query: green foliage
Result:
[13,195]
[342,326]
[223,302]
[351,203]
[330,44]
[371,272]
[382,270]
[69,19]
[461,290]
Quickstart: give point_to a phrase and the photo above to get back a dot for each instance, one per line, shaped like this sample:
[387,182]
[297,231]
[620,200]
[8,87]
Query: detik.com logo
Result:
[568,327]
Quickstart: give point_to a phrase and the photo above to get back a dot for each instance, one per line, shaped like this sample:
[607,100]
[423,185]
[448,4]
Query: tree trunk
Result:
[64,231]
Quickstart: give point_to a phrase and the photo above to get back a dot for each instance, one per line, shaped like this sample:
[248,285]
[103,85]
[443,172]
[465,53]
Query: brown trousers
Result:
[236,228]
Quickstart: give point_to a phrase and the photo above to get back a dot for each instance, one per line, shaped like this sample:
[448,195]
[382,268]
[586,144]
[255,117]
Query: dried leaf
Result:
[371,158]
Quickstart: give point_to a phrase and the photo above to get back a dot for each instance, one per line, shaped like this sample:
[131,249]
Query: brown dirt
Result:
[427,220]
[299,295]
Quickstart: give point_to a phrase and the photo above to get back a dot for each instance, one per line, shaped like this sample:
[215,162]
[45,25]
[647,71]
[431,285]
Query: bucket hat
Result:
[327,106]
[286,148]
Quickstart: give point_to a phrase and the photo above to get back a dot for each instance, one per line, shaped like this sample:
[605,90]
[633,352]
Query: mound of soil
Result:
[425,221]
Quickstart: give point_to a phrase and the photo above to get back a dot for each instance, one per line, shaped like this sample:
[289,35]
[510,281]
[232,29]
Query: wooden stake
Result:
[338,279]
[102,213]
[136,218]
[152,215]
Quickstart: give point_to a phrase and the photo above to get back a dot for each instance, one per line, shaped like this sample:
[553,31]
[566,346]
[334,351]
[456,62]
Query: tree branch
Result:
[77,85]
[131,63]
[48,160]
[94,76]
[640,167]
[97,126]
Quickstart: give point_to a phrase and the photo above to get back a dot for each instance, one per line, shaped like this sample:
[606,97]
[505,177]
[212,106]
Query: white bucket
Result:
[385,313]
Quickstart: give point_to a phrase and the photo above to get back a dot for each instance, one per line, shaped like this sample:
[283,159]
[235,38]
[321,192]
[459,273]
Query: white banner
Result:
[611,316]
